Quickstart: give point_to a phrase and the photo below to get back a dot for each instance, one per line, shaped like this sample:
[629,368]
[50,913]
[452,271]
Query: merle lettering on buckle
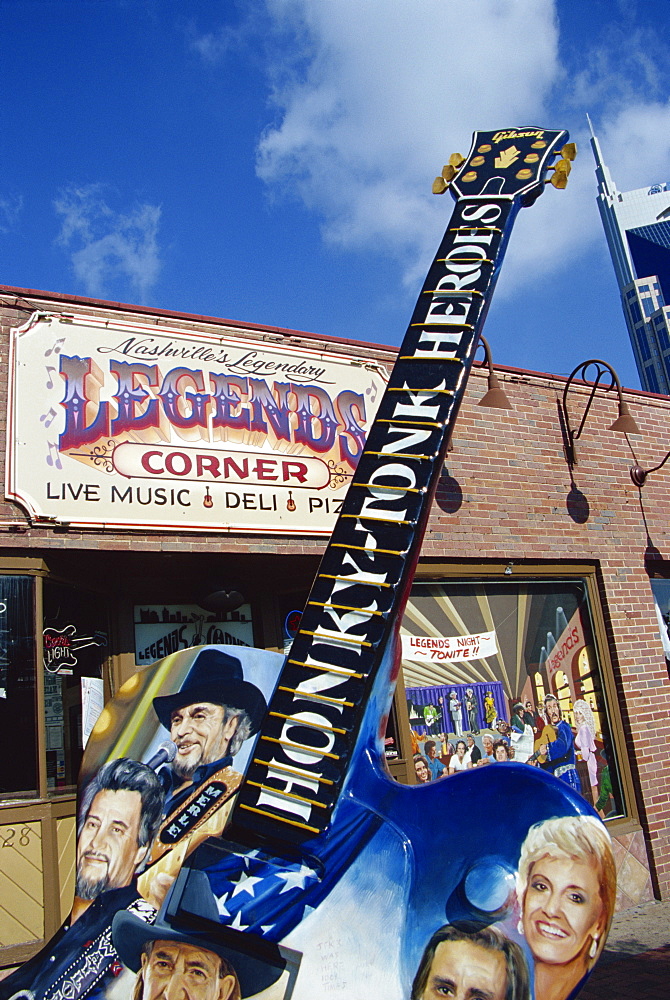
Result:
[193,812]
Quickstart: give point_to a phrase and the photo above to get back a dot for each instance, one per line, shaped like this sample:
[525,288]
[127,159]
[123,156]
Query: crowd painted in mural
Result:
[536,735]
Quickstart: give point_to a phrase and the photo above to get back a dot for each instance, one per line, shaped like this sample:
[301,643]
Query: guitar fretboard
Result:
[305,744]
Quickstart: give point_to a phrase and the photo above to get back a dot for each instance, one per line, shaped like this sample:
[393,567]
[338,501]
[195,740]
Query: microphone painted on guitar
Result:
[165,754]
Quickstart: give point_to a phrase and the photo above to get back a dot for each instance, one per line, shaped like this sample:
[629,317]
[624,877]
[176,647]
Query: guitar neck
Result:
[359,593]
[355,606]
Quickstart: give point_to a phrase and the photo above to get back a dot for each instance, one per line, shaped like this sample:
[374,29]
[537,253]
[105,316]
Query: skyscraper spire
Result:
[637,229]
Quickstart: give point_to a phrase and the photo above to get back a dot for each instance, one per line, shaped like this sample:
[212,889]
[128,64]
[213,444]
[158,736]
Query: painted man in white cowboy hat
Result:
[175,961]
[208,719]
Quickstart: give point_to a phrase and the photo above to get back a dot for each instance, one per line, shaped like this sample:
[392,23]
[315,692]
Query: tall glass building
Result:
[637,228]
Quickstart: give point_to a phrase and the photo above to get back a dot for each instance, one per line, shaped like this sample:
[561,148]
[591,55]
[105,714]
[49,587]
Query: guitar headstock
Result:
[510,163]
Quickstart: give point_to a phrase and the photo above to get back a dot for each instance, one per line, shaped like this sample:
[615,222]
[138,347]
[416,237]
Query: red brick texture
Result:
[506,495]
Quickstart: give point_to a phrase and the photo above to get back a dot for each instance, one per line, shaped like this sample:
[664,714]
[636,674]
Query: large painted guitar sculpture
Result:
[314,874]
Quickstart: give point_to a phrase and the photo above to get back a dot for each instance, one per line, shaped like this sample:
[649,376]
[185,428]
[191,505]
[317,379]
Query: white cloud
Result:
[564,226]
[10,209]
[636,144]
[108,246]
[384,92]
[371,98]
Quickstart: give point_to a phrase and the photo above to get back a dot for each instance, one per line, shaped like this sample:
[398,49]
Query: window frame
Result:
[470,572]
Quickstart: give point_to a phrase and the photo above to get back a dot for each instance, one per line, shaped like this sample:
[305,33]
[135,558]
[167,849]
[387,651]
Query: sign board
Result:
[438,648]
[564,653]
[162,629]
[114,424]
[60,646]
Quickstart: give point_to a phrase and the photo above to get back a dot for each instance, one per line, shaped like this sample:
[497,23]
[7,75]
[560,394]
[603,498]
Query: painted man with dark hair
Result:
[120,814]
[435,765]
[119,817]
[471,962]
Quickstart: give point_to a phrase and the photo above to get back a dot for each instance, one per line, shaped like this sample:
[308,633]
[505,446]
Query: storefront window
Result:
[75,642]
[521,669]
[18,761]
[661,591]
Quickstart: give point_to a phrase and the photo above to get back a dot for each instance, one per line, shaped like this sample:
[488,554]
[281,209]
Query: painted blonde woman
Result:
[566,886]
[585,741]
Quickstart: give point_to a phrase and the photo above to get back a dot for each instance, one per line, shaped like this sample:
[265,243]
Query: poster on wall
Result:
[161,629]
[149,427]
[440,648]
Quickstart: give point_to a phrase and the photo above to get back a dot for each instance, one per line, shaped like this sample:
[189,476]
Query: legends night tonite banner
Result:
[119,424]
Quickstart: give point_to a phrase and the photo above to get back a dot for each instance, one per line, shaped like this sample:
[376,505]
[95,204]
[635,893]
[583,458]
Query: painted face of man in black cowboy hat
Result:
[213,714]
[178,964]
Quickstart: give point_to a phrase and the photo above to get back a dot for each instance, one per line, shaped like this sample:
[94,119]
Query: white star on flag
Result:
[295,880]
[246,883]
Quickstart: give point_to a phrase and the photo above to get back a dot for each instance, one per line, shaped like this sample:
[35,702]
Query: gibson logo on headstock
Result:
[517,134]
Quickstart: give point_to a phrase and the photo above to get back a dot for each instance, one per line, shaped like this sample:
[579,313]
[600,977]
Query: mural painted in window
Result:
[518,679]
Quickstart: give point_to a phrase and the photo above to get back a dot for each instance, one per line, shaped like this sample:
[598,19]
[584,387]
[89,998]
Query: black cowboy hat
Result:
[216,677]
[191,896]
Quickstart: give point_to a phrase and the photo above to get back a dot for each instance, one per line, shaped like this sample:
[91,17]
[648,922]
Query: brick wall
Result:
[506,495]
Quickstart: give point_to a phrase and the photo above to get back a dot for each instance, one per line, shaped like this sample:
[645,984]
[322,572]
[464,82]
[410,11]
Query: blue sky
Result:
[270,161]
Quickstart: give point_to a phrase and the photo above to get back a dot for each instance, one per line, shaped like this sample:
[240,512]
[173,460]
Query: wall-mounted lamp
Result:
[624,423]
[509,569]
[495,396]
[639,475]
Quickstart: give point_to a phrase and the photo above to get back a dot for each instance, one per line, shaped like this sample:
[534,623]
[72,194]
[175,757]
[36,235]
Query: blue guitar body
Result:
[396,863]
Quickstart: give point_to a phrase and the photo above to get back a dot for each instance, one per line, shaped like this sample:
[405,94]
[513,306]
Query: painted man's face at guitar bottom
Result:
[201,735]
[462,970]
[176,971]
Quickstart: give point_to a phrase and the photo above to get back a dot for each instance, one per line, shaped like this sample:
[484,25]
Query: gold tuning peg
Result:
[569,151]
[559,179]
[441,183]
[456,160]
